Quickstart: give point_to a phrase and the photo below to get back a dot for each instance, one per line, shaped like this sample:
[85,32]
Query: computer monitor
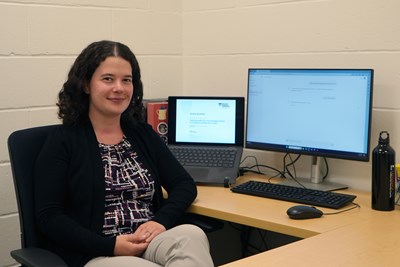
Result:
[316,112]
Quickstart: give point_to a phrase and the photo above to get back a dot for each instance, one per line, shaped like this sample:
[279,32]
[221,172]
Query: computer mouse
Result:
[301,212]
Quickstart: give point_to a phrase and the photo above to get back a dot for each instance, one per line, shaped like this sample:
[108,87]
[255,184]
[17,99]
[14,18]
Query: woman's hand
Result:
[135,244]
[128,245]
[148,231]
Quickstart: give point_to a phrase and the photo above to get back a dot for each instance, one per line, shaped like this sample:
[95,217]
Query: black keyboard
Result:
[205,157]
[301,195]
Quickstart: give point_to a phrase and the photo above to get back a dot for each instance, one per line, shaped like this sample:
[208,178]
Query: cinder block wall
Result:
[191,47]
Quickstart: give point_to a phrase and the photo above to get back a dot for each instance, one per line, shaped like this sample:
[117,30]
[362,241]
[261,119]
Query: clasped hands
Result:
[135,244]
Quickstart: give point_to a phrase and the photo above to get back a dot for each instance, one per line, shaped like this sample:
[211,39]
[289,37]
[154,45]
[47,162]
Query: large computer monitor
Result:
[316,112]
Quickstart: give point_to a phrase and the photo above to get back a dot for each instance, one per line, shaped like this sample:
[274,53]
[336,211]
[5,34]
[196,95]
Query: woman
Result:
[99,177]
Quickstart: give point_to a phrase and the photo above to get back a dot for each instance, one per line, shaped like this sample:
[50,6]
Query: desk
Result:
[360,237]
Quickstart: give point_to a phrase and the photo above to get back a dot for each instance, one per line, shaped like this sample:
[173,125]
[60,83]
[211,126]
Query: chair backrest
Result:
[23,148]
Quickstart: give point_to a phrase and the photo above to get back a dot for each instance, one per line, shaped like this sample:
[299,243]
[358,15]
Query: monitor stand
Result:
[315,181]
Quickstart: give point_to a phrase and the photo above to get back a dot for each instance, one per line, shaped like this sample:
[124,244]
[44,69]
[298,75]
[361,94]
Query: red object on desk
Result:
[157,117]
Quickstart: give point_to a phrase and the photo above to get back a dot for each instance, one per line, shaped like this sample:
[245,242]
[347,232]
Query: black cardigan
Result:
[70,189]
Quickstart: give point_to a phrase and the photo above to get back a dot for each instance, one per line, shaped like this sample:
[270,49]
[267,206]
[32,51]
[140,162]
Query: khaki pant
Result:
[182,246]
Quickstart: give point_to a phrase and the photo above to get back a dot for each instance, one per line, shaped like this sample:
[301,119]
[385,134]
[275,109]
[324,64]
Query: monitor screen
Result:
[318,112]
[211,120]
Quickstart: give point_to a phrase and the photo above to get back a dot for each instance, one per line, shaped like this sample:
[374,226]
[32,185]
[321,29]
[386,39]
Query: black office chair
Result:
[24,146]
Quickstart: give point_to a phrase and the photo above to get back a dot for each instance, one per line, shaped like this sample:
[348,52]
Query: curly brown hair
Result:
[73,102]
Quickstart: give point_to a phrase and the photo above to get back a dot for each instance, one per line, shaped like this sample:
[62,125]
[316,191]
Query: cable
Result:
[355,205]
[249,168]
[292,162]
[327,169]
[281,174]
[255,158]
[257,165]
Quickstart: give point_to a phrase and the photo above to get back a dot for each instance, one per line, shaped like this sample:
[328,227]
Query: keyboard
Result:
[300,195]
[204,157]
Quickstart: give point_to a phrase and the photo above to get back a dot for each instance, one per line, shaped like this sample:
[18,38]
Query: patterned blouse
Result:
[129,189]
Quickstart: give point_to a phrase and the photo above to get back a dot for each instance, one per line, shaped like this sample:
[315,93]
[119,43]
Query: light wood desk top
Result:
[372,243]
[360,237]
[270,214]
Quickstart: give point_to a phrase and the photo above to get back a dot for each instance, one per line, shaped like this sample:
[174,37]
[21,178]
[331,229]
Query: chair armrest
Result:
[37,257]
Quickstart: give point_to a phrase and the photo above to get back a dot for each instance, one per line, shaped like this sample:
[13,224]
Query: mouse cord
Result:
[355,205]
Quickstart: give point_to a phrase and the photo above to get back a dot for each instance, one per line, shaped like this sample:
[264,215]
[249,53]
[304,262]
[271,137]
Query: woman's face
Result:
[110,89]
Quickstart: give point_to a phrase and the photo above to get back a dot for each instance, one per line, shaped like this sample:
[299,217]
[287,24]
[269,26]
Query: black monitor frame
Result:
[254,117]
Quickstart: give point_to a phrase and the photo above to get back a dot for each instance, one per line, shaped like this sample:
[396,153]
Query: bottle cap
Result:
[384,137]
